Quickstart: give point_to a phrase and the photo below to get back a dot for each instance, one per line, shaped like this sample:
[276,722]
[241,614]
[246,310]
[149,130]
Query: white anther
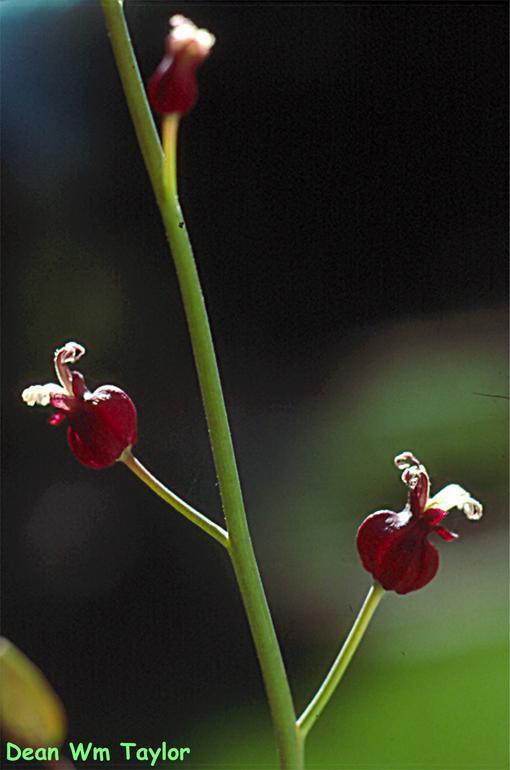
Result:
[40,394]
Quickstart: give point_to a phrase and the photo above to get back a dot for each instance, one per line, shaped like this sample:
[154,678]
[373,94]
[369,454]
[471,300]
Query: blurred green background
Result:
[344,180]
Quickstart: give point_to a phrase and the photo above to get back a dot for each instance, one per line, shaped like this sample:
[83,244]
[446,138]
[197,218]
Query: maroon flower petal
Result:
[445,534]
[173,86]
[79,385]
[418,497]
[409,564]
[394,549]
[433,516]
[371,537]
[102,426]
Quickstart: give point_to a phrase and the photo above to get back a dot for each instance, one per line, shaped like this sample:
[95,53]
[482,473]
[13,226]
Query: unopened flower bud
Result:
[173,86]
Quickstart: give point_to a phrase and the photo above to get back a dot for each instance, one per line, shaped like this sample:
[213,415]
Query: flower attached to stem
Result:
[173,86]
[101,424]
[394,547]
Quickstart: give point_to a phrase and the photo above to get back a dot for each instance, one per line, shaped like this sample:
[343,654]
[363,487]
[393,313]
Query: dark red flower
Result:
[394,547]
[173,86]
[102,424]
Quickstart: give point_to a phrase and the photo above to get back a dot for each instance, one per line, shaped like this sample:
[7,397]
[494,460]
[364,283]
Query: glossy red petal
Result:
[409,564]
[418,497]
[102,426]
[445,534]
[371,536]
[173,86]
[433,517]
[394,549]
[79,384]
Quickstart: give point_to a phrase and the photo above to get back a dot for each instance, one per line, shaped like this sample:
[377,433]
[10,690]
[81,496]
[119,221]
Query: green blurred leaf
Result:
[30,711]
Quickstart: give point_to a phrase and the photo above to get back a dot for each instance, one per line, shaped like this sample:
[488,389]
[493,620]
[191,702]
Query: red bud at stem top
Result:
[173,86]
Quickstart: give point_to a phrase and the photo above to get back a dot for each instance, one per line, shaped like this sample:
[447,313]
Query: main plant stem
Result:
[241,549]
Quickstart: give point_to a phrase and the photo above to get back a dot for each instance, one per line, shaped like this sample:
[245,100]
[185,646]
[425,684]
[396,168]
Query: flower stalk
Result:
[169,129]
[197,518]
[314,709]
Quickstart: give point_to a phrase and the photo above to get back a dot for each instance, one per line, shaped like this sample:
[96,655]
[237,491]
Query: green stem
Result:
[145,128]
[212,529]
[310,715]
[241,549]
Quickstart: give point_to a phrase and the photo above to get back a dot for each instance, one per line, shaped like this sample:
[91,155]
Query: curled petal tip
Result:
[473,509]
[405,460]
[70,352]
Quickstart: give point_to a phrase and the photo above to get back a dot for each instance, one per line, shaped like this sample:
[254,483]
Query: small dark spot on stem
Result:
[181,224]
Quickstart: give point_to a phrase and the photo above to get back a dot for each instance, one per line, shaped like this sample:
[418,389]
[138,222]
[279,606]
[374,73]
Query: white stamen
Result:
[454,496]
[40,394]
